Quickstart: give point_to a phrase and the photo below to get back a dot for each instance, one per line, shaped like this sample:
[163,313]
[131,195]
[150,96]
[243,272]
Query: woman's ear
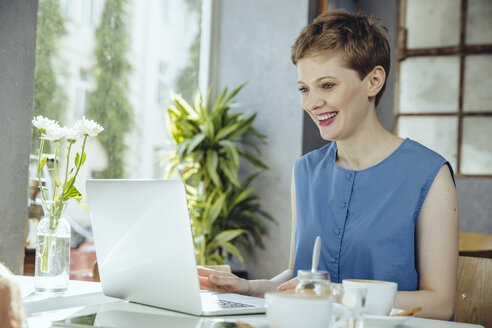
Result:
[376,79]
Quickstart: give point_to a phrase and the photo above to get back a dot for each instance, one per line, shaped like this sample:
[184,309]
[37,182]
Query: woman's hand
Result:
[224,282]
[288,285]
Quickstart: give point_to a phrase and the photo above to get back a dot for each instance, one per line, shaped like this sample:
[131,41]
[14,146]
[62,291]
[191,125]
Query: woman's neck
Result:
[370,145]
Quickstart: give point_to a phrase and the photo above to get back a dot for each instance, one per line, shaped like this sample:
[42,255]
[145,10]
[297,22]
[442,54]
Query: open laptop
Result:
[145,251]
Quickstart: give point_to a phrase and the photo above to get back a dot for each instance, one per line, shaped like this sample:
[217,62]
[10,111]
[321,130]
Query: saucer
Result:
[384,321]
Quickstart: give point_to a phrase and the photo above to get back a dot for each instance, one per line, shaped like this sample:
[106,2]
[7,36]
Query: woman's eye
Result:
[303,89]
[328,85]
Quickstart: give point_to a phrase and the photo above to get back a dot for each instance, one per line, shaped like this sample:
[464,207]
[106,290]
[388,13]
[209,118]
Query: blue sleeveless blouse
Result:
[366,218]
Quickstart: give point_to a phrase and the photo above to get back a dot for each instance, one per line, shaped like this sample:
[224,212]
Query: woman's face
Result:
[333,95]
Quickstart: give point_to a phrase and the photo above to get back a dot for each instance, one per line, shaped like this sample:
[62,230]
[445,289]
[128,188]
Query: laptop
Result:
[145,251]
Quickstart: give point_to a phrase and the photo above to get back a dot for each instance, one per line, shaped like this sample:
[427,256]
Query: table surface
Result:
[84,298]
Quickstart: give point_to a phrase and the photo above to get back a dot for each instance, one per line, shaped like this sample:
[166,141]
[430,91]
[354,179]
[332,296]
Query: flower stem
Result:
[66,188]
[57,143]
[66,168]
[45,253]
[41,146]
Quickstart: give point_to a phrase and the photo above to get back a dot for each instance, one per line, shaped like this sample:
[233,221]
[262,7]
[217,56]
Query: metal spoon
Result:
[316,252]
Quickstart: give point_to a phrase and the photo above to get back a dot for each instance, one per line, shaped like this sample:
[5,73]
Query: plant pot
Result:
[52,251]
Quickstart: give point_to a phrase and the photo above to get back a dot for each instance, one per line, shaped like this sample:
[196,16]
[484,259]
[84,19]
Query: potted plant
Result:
[211,142]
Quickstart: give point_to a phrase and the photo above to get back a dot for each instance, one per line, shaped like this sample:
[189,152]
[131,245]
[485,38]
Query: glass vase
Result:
[52,250]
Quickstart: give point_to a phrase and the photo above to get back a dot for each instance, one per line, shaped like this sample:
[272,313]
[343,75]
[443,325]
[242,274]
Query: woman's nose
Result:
[313,101]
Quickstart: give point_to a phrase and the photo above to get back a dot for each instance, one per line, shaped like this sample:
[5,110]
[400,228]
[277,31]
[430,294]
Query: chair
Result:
[475,244]
[474,291]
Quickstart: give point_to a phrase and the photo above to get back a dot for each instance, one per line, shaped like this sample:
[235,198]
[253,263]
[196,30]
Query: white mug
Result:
[290,310]
[380,296]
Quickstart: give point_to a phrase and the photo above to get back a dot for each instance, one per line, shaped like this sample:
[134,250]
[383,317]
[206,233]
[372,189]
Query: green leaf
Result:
[58,183]
[208,129]
[69,184]
[186,128]
[245,126]
[227,130]
[199,107]
[83,159]
[251,144]
[42,163]
[231,249]
[182,106]
[233,93]
[78,200]
[248,180]
[224,237]
[214,259]
[182,148]
[212,162]
[253,159]
[72,193]
[230,173]
[213,211]
[219,99]
[242,196]
[231,151]
[77,159]
[257,134]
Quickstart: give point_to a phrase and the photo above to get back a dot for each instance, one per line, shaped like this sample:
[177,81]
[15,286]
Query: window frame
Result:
[462,50]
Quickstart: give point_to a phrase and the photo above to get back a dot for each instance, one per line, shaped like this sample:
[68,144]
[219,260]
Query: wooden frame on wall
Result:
[462,50]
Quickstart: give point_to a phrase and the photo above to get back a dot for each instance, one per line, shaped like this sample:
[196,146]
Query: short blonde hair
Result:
[359,38]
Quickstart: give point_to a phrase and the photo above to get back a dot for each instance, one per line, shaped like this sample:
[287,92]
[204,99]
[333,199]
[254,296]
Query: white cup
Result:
[290,310]
[380,295]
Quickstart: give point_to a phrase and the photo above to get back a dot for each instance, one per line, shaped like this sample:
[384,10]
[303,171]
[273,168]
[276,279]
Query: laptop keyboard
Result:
[230,304]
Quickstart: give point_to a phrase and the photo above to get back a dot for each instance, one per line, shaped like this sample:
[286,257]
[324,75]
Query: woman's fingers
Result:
[230,283]
[288,285]
[221,281]
[205,272]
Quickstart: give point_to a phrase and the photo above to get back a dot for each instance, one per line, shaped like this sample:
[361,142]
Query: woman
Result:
[386,208]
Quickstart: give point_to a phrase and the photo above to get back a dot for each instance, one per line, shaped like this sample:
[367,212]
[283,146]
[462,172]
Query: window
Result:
[88,12]
[444,75]
[84,84]
[160,57]
[162,92]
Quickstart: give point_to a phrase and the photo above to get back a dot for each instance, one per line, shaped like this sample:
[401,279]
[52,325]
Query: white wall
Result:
[17,48]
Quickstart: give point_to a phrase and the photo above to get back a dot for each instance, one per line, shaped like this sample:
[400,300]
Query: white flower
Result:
[88,127]
[54,132]
[43,123]
[72,134]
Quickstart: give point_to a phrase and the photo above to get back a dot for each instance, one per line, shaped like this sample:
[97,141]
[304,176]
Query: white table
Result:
[87,297]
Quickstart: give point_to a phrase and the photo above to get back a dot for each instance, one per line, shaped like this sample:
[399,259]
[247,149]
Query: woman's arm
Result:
[437,251]
[293,231]
[228,282]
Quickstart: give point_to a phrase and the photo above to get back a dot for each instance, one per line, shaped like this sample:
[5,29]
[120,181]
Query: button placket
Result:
[344,201]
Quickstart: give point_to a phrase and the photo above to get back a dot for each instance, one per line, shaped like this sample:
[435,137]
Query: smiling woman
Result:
[331,93]
[386,208]
[387,198]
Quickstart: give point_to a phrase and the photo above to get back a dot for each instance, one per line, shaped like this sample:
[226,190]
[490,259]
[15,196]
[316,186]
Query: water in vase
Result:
[52,268]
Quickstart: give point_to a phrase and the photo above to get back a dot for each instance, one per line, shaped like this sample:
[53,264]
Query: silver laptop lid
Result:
[143,242]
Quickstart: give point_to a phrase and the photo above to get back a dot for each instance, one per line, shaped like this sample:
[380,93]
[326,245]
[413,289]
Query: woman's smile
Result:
[326,119]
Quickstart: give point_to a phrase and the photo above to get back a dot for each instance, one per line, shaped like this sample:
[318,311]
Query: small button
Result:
[343,204]
[348,176]
[337,232]
[333,260]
